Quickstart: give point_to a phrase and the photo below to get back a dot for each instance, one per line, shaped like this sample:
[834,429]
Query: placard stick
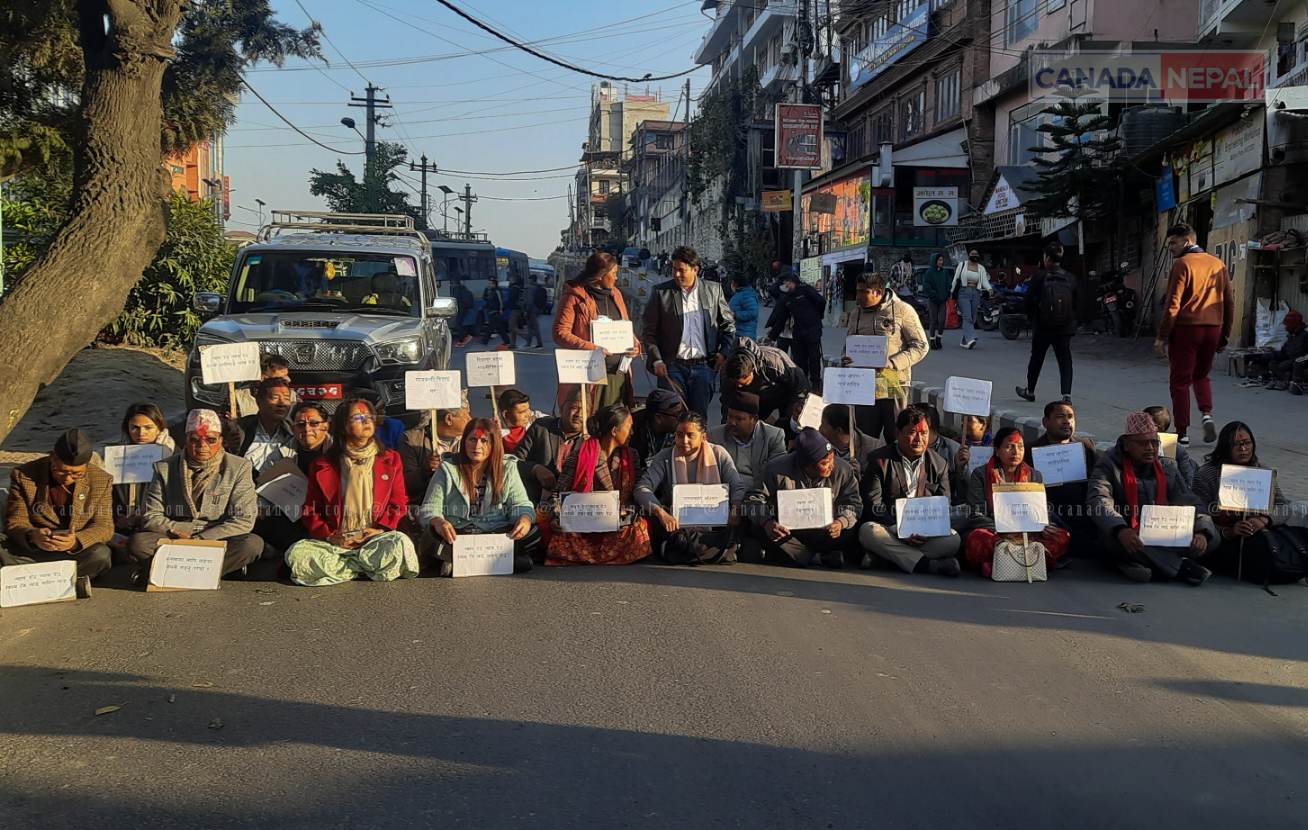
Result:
[434,442]
[585,395]
[495,404]
[853,435]
[1026,540]
[231,398]
[1239,559]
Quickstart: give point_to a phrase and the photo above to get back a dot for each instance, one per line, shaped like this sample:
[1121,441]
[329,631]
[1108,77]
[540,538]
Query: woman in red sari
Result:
[602,463]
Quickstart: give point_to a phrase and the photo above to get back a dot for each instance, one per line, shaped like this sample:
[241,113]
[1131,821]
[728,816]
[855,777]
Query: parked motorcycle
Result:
[1013,321]
[1117,303]
[988,312]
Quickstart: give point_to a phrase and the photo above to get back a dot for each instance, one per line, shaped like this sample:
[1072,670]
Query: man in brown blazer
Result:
[60,507]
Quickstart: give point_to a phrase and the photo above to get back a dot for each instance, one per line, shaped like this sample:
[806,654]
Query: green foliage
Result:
[345,193]
[718,131]
[749,247]
[34,207]
[1077,169]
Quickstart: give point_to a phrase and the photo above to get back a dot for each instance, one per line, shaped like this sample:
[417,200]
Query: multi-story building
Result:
[198,172]
[757,35]
[655,167]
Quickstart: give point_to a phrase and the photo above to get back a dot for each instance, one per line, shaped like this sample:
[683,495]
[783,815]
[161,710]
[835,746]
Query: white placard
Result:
[483,554]
[230,362]
[978,457]
[186,565]
[1167,526]
[287,493]
[927,517]
[701,505]
[1060,463]
[811,414]
[437,389]
[37,583]
[491,369]
[1020,508]
[968,396]
[867,350]
[615,335]
[1167,444]
[807,509]
[1245,489]
[848,385]
[133,463]
[579,365]
[591,512]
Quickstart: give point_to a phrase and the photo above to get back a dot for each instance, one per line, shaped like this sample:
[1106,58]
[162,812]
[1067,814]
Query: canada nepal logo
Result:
[1173,76]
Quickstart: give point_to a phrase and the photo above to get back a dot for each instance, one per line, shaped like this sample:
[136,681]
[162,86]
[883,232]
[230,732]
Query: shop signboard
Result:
[799,136]
[1002,198]
[900,38]
[777,201]
[1238,150]
[935,206]
[847,225]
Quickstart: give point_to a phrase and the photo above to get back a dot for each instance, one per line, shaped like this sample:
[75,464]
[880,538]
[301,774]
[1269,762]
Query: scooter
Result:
[1117,303]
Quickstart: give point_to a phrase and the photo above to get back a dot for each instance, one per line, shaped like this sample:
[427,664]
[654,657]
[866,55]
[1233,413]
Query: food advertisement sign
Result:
[935,206]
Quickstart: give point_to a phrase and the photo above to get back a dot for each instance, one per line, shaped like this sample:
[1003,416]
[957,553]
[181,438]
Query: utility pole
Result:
[802,46]
[468,199]
[424,168]
[371,103]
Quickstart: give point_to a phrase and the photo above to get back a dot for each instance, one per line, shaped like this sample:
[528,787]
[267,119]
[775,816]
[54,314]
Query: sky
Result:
[468,101]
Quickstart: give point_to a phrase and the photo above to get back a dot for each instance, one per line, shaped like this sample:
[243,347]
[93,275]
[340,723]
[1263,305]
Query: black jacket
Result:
[804,307]
[541,445]
[884,483]
[778,382]
[661,328]
[1035,294]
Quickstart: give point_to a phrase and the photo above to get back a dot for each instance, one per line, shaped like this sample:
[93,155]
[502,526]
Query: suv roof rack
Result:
[327,222]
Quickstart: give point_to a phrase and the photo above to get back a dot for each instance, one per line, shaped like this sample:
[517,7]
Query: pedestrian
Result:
[516,308]
[1198,308]
[880,312]
[591,297]
[535,304]
[901,277]
[970,280]
[802,306]
[688,331]
[1051,307]
[465,324]
[935,287]
[767,372]
[744,305]
[493,308]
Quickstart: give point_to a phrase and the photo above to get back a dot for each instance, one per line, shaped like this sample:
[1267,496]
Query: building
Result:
[757,36]
[655,170]
[198,172]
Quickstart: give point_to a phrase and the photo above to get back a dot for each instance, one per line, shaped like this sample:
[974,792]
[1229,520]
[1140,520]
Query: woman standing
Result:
[1006,466]
[143,424]
[592,296]
[603,463]
[970,279]
[354,506]
[935,287]
[478,490]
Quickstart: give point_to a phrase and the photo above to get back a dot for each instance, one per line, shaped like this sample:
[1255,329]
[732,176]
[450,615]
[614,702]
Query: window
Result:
[603,186]
[879,27]
[663,141]
[1023,18]
[937,5]
[883,127]
[1054,5]
[911,111]
[947,101]
[857,138]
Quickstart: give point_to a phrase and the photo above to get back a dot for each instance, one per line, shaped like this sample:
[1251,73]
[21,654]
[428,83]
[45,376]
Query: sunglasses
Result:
[203,442]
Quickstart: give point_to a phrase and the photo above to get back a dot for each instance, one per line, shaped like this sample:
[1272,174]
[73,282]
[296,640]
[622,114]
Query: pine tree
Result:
[1077,167]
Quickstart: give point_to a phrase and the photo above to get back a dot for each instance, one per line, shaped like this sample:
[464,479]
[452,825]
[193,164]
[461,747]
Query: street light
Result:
[445,207]
[261,203]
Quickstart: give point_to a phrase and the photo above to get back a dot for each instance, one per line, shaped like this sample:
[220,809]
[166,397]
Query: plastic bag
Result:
[1269,325]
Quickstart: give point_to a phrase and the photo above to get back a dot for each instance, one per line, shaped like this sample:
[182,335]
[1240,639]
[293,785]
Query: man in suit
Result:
[60,507]
[201,492]
[750,442]
[688,331]
[852,448]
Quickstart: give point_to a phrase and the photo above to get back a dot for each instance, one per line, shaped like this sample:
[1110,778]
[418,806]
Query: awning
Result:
[942,151]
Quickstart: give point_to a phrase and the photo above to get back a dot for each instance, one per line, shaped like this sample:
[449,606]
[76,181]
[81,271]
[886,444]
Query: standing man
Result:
[1196,324]
[535,302]
[688,331]
[1051,307]
[802,306]
[880,312]
[901,277]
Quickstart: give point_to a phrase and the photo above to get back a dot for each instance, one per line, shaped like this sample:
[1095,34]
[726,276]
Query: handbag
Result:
[1018,562]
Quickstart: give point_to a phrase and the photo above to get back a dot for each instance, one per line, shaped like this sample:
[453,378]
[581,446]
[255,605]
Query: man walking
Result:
[688,331]
[1196,324]
[1051,307]
[802,306]
[901,277]
[534,302]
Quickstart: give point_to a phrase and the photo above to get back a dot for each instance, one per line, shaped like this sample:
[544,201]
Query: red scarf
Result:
[514,438]
[1132,487]
[583,480]
[995,475]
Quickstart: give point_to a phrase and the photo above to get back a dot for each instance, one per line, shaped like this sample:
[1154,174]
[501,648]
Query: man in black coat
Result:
[767,372]
[545,447]
[802,306]
[1051,307]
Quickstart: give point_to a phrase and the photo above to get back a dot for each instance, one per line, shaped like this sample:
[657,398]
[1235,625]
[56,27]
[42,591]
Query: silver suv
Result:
[348,299]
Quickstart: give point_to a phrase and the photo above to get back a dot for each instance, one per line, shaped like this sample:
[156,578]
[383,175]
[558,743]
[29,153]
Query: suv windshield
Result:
[287,280]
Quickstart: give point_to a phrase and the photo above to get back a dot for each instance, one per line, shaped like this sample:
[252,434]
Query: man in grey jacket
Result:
[750,442]
[201,493]
[877,311]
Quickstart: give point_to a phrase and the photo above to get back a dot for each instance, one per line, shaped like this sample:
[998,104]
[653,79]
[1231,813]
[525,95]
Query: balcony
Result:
[770,18]
[719,34]
[777,75]
[1233,23]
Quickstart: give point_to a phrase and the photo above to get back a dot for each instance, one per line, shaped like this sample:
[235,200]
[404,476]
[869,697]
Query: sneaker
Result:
[1025,394]
[1135,572]
[1067,399]
[1210,429]
[1193,573]
[944,567]
[1184,440]
[1280,386]
[971,344]
[833,559]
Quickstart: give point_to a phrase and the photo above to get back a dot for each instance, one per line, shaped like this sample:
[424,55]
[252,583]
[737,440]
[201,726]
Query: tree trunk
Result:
[117,220]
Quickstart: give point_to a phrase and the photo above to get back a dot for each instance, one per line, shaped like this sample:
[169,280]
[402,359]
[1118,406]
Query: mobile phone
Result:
[62,534]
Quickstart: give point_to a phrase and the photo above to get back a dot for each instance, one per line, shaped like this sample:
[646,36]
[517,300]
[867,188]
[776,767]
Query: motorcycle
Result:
[988,312]
[920,305]
[1117,303]
[1013,321]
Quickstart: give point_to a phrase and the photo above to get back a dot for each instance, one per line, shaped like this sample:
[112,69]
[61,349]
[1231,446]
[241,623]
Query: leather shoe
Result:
[1135,572]
[1194,573]
[944,567]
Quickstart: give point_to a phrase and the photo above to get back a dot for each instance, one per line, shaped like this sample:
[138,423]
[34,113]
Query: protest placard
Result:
[1245,489]
[615,335]
[491,369]
[133,463]
[866,350]
[286,492]
[187,565]
[926,517]
[591,512]
[807,509]
[978,457]
[701,505]
[811,414]
[1167,526]
[229,362]
[1167,444]
[1060,463]
[968,396]
[434,389]
[37,583]
[842,384]
[483,554]
[1020,508]
[579,365]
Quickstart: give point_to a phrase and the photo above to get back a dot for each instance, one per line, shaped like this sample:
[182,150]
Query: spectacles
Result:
[479,439]
[310,424]
[72,475]
[1242,445]
[361,418]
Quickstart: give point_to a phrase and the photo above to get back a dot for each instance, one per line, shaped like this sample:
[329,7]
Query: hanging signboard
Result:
[777,201]
[799,136]
[900,38]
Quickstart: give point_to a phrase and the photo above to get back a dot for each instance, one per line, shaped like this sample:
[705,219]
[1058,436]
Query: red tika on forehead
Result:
[479,434]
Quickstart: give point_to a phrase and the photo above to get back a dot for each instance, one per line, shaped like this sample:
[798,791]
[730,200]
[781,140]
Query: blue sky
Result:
[415,50]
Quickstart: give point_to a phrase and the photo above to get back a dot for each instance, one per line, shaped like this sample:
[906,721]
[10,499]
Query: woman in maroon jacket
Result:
[355,502]
[592,296]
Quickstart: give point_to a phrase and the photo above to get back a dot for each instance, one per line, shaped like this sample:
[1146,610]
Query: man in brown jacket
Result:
[60,507]
[1195,326]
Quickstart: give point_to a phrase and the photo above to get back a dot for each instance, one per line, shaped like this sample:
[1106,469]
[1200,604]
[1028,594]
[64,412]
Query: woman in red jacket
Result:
[355,502]
[592,296]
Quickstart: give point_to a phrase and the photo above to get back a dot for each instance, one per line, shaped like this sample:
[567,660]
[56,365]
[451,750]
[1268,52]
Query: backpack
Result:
[1057,301]
[1282,559]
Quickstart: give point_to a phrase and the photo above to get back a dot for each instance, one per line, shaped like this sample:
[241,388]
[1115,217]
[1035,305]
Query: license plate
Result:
[322,392]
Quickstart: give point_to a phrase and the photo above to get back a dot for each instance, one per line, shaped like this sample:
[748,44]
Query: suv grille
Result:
[319,355]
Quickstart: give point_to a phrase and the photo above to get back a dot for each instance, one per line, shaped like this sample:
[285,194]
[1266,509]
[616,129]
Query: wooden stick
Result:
[585,395]
[434,442]
[1239,561]
[231,398]
[853,436]
[1026,539]
[495,405]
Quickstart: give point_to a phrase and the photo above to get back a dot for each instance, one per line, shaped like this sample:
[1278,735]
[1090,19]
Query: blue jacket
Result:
[445,497]
[744,304]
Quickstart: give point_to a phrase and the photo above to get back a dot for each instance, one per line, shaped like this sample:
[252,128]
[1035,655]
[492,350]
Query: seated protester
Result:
[812,464]
[233,436]
[201,492]
[602,463]
[1067,502]
[416,449]
[1184,462]
[691,460]
[309,423]
[270,366]
[142,424]
[1127,478]
[516,416]
[545,446]
[478,490]
[311,426]
[268,437]
[60,507]
[1250,531]
[654,426]
[765,371]
[354,507]
[952,452]
[835,428]
[906,469]
[750,442]
[389,430]
[1006,466]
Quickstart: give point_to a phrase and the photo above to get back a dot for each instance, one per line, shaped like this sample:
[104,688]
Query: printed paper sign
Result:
[968,396]
[286,492]
[615,335]
[867,350]
[579,365]
[1245,489]
[804,509]
[926,517]
[432,390]
[701,505]
[978,457]
[37,583]
[811,414]
[590,512]
[484,554]
[188,565]
[230,362]
[491,369]
[1060,463]
[1167,444]
[1167,526]
[848,385]
[1020,508]
[133,463]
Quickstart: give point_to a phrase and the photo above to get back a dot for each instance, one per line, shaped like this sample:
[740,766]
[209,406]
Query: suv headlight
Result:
[408,350]
[205,339]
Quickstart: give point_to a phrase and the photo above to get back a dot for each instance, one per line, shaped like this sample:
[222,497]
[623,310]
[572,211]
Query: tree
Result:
[115,85]
[344,193]
[1077,175]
